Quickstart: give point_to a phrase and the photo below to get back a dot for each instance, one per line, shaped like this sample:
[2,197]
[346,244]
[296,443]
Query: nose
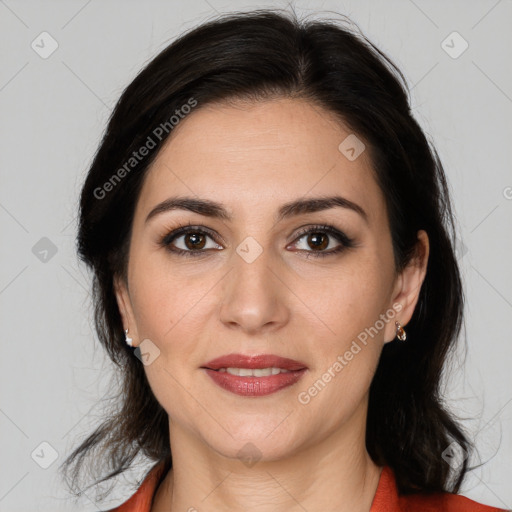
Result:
[255,299]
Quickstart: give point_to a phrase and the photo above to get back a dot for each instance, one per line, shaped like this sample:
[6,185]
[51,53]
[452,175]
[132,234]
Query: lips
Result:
[256,361]
[253,386]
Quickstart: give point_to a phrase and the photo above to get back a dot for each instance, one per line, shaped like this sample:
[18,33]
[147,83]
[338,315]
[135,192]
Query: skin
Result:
[253,158]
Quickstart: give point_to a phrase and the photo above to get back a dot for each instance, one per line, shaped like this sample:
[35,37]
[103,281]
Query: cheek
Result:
[346,357]
[166,310]
[347,338]
[171,310]
[161,296]
[346,301]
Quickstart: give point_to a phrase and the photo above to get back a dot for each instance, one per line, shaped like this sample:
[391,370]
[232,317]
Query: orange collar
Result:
[386,497]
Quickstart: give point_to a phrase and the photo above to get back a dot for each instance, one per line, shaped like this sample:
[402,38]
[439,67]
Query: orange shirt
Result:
[386,497]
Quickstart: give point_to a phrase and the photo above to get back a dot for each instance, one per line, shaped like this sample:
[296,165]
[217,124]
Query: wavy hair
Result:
[256,56]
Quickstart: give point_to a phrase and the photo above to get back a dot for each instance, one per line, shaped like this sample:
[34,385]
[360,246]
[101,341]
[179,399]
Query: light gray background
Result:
[52,370]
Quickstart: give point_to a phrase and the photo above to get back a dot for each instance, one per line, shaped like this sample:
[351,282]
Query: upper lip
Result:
[254,361]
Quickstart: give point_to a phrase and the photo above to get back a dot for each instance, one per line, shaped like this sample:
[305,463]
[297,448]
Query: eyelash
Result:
[345,241]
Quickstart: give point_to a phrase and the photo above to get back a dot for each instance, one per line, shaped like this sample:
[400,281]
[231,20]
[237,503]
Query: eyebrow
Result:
[213,209]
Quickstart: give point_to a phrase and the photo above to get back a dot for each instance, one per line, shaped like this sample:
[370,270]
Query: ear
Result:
[407,286]
[125,308]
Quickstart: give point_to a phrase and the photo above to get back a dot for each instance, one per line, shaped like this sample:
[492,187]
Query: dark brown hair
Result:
[262,55]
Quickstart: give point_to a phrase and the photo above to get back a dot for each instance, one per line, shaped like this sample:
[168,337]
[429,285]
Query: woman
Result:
[272,244]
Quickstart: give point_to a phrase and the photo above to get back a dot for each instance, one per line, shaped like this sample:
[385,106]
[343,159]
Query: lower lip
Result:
[254,386]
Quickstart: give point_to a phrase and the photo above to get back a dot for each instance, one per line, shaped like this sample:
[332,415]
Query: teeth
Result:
[256,372]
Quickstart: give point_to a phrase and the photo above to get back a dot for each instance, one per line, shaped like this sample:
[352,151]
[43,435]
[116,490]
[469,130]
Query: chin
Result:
[254,440]
[249,451]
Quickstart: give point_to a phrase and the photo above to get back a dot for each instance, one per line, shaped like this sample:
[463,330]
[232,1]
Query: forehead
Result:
[247,155]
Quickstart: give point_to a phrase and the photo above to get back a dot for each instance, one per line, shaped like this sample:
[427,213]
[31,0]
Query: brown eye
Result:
[318,241]
[190,241]
[314,241]
[194,241]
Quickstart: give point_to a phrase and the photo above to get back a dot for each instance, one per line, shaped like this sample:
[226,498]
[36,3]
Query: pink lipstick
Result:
[254,375]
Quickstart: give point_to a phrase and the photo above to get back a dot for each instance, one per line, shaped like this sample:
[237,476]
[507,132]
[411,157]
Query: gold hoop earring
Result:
[400,332]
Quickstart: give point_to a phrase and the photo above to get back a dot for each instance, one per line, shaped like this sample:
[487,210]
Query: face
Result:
[313,286]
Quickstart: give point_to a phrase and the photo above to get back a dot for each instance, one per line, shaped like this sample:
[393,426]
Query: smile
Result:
[255,372]
[246,382]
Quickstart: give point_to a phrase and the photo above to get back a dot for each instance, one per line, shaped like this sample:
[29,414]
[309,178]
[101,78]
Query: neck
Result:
[335,474]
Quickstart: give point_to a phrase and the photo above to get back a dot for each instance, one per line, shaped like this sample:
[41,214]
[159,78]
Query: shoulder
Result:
[444,502]
[141,501]
[387,499]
